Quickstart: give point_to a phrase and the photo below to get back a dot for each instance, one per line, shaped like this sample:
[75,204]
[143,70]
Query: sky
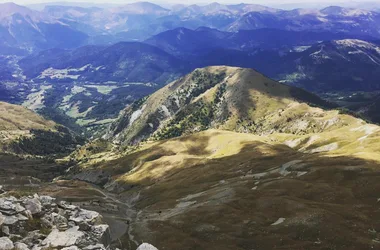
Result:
[300,3]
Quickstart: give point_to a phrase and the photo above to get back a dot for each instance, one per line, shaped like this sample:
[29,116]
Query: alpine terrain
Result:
[146,126]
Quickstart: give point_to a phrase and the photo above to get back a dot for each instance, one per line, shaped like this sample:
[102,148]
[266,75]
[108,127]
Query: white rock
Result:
[70,248]
[6,244]
[95,247]
[63,239]
[84,216]
[21,246]
[101,234]
[33,205]
[146,246]
[5,230]
[2,219]
[10,220]
[279,221]
[46,200]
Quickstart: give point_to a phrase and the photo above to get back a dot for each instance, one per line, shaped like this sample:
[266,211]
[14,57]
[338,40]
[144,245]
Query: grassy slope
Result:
[223,190]
[24,132]
[217,189]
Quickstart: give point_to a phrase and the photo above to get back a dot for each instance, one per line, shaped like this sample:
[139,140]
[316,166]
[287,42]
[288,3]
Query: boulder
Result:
[33,205]
[21,246]
[10,220]
[84,215]
[6,244]
[47,200]
[102,234]
[63,239]
[146,246]
[7,206]
[66,227]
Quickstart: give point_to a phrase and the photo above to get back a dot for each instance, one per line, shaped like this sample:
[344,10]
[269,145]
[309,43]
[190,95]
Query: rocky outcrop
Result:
[39,222]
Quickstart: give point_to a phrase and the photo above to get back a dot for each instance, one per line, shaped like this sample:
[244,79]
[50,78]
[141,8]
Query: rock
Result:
[2,219]
[10,220]
[102,234]
[2,189]
[19,208]
[5,230]
[28,214]
[33,238]
[21,246]
[6,244]
[87,216]
[46,200]
[64,205]
[84,226]
[33,205]
[63,239]
[69,227]
[7,206]
[146,246]
[71,248]
[95,247]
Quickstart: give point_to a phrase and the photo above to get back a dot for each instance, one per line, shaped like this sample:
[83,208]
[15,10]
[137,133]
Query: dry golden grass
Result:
[14,117]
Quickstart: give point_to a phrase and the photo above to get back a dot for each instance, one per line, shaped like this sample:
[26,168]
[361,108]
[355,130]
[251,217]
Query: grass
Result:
[225,189]
[199,188]
[103,89]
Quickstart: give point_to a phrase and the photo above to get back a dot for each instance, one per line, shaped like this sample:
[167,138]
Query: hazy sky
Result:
[188,2]
[264,2]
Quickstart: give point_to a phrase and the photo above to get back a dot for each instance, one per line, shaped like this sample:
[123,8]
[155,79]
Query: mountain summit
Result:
[228,98]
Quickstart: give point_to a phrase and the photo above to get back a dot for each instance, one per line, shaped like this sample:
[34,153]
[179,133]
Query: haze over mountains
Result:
[190,126]
[79,60]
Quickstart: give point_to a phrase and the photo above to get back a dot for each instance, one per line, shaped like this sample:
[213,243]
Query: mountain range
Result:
[189,126]
[29,29]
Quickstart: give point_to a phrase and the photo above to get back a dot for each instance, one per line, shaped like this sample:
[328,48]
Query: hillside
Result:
[293,176]
[24,132]
[122,62]
[226,98]
[224,190]
[339,65]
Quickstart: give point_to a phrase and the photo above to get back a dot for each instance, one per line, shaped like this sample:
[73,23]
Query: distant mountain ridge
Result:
[29,30]
[122,62]
[139,21]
